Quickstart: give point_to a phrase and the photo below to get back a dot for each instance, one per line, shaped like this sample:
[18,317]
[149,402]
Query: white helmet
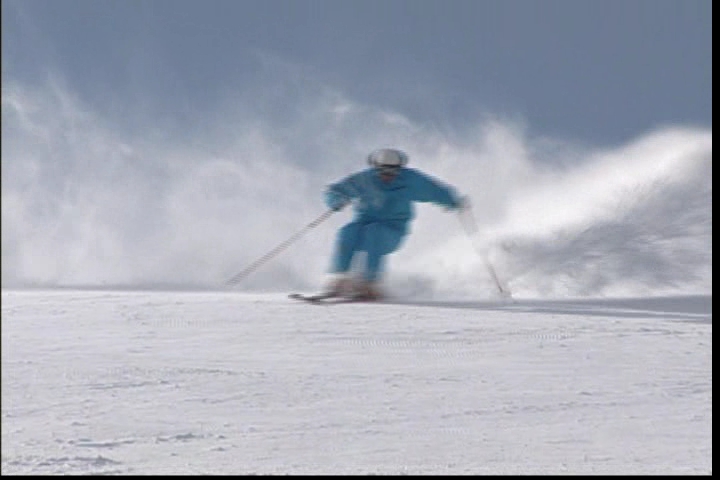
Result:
[388,157]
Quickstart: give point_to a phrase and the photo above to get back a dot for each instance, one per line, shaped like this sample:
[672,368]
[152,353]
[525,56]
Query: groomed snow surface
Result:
[150,382]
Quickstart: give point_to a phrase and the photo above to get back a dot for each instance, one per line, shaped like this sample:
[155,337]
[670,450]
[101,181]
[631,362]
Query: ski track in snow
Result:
[117,382]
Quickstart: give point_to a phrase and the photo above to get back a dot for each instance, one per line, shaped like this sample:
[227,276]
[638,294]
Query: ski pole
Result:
[255,265]
[470,225]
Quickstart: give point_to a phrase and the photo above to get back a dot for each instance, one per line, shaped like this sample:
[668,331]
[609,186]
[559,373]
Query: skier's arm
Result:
[428,189]
[335,200]
[339,194]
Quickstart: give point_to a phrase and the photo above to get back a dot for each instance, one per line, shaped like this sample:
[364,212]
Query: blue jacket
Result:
[376,200]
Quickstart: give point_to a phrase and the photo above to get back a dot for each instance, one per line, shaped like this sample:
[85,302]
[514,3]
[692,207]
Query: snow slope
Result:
[173,382]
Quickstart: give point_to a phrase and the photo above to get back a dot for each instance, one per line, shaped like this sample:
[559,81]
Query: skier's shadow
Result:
[690,308]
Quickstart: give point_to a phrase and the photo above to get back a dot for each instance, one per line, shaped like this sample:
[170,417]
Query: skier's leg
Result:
[347,242]
[379,240]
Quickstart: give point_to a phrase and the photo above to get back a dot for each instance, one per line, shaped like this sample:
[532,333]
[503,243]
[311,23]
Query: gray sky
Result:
[597,72]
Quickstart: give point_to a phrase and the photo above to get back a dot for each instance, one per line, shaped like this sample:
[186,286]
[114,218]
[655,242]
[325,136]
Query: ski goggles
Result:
[388,169]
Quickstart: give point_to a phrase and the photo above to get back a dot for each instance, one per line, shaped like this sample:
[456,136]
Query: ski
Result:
[316,298]
[326,298]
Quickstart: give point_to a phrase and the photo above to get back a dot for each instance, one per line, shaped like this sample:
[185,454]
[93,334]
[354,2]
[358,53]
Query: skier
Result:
[383,195]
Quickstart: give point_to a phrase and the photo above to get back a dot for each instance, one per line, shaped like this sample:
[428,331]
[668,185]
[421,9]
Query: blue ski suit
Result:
[383,212]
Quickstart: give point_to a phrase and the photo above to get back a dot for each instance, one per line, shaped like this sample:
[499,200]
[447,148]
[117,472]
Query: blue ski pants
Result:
[377,239]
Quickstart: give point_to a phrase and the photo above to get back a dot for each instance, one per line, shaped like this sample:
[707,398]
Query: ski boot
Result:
[367,291]
[341,286]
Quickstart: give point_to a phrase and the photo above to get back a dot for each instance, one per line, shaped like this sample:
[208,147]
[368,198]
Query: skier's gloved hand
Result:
[335,201]
[339,205]
[462,203]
